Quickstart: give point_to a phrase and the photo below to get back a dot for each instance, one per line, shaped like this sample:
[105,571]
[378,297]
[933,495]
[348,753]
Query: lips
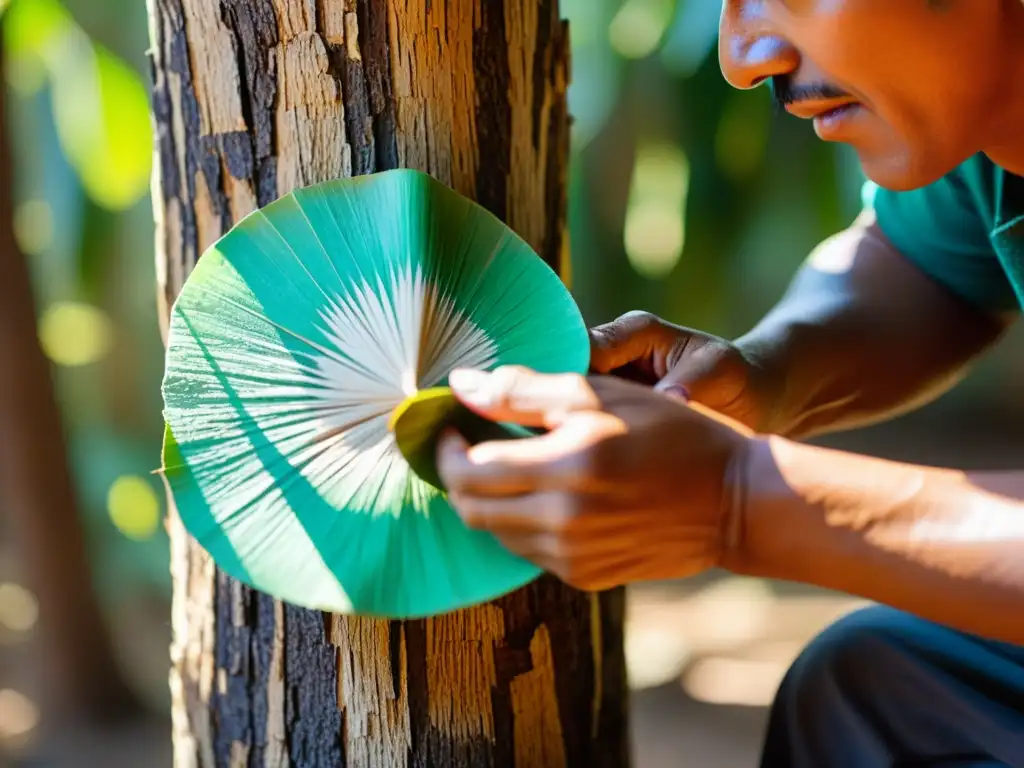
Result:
[809,110]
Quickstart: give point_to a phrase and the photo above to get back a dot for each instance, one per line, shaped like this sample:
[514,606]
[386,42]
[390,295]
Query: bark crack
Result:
[257,97]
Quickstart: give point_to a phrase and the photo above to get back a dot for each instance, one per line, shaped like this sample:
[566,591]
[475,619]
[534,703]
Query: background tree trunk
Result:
[255,97]
[81,680]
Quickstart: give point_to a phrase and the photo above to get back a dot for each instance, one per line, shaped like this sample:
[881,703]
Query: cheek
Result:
[924,98]
[906,145]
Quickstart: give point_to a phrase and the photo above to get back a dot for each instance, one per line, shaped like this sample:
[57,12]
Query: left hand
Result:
[628,484]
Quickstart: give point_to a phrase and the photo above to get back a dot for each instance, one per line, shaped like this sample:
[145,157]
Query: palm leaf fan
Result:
[306,339]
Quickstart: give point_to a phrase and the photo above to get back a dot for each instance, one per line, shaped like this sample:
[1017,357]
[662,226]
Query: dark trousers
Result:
[882,689]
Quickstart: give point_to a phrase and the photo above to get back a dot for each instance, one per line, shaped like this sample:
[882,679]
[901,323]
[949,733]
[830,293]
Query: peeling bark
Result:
[253,98]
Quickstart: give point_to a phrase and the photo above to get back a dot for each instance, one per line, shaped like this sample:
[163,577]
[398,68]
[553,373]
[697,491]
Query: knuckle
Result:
[563,514]
[577,388]
[624,326]
[505,381]
[591,463]
[637,320]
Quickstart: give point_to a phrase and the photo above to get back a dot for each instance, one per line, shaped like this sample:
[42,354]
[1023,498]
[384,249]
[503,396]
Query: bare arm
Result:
[942,544]
[861,336]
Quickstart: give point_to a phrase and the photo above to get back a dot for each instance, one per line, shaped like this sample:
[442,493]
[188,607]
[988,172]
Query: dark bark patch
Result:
[416,681]
[312,718]
[254,26]
[231,703]
[179,62]
[493,113]
[366,92]
[556,165]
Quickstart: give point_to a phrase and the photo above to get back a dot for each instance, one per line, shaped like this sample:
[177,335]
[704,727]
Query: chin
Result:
[902,170]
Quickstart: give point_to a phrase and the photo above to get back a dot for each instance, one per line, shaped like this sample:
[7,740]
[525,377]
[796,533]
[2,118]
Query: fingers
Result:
[699,370]
[512,467]
[627,339]
[519,395]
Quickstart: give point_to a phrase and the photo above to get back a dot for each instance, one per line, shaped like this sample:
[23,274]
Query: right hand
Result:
[703,368]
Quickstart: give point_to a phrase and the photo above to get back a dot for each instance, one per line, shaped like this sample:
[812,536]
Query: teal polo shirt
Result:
[965,230]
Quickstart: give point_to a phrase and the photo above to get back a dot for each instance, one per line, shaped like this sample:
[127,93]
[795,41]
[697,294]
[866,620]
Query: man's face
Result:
[914,86]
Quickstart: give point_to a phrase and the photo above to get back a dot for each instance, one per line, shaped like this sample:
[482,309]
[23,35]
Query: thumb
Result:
[630,338]
[521,396]
[694,375]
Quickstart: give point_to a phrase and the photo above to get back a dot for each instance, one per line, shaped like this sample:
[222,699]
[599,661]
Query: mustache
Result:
[784,91]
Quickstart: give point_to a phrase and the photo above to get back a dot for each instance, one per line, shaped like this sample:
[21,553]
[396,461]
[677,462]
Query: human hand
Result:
[698,366]
[628,485]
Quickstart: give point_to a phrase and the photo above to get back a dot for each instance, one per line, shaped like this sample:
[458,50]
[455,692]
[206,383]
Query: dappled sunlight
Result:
[638,27]
[19,716]
[75,334]
[728,642]
[19,610]
[133,507]
[655,227]
[686,198]
[725,680]
[33,226]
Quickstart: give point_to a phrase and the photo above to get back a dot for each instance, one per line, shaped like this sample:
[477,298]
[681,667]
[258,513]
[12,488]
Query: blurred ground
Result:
[705,655]
[687,199]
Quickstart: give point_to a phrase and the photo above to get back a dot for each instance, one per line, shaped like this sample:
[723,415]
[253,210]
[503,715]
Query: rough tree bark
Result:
[254,97]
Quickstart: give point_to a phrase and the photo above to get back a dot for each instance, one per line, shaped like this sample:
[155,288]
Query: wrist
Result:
[759,533]
[765,357]
[734,501]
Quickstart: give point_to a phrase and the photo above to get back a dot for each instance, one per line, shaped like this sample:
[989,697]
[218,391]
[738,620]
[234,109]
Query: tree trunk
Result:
[255,97]
[81,679]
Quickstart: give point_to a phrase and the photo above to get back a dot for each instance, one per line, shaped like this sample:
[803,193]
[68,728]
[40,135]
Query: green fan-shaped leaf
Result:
[292,344]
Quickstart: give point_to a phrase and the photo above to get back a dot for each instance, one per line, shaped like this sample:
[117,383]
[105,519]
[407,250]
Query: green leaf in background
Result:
[100,104]
[291,344]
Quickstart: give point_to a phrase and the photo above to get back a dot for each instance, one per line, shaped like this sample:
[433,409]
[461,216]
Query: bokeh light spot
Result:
[33,226]
[19,609]
[655,228]
[74,334]
[18,715]
[638,27]
[133,507]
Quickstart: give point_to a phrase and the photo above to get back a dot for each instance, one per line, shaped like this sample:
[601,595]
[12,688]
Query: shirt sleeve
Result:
[941,230]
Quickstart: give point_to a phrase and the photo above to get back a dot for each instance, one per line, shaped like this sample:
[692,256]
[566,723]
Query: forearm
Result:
[862,335]
[942,544]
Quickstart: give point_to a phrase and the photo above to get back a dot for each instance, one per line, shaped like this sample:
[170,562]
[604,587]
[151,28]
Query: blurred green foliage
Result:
[83,151]
[687,198]
[100,106]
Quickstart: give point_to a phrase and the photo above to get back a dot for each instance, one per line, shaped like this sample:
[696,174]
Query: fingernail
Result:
[471,385]
[677,391]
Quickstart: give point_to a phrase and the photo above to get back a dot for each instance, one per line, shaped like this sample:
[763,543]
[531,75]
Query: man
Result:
[634,482]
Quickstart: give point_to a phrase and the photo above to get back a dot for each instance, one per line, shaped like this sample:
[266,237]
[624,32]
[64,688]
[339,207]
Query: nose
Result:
[750,48]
